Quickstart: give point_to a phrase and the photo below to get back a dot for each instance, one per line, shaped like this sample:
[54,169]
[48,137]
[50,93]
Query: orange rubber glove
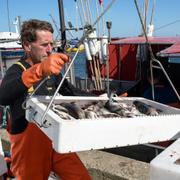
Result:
[50,65]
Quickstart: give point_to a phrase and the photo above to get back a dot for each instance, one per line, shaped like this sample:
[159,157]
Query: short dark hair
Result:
[29,28]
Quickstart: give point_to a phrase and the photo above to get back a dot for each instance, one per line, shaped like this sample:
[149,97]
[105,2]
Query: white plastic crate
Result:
[87,134]
[166,166]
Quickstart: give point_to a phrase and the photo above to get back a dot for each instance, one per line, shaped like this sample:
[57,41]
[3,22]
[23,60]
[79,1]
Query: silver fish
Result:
[62,112]
[97,110]
[74,110]
[104,112]
[145,108]
[59,107]
[94,106]
[90,114]
[118,108]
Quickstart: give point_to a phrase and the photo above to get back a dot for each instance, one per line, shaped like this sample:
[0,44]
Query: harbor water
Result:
[80,64]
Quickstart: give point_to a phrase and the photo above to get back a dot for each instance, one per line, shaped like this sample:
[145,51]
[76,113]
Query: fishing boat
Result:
[127,64]
[73,48]
[10,45]
[10,48]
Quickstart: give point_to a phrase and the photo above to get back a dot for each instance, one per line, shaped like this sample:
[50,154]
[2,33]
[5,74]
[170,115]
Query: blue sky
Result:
[123,14]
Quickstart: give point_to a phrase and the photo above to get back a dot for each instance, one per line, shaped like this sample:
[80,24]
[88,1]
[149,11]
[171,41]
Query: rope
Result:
[178,20]
[84,14]
[152,13]
[102,14]
[89,11]
[144,30]
[97,14]
[146,4]
[148,44]
[81,20]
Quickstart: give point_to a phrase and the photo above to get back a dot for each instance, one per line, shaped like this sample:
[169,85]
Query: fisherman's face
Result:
[42,47]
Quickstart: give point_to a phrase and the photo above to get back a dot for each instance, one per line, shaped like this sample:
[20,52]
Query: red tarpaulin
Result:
[151,40]
[173,49]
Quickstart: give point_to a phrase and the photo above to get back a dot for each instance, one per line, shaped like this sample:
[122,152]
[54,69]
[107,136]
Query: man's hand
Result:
[50,65]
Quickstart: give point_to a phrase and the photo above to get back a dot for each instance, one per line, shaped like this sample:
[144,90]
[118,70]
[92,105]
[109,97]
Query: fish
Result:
[95,106]
[104,112]
[145,108]
[134,111]
[62,112]
[104,109]
[98,110]
[90,114]
[118,108]
[59,107]
[74,110]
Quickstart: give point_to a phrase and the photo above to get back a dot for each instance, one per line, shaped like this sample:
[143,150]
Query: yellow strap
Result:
[31,89]
[20,64]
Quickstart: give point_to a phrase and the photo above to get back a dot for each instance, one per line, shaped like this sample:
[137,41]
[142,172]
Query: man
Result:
[32,154]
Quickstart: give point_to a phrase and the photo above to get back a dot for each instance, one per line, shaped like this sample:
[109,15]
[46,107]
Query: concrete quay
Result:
[106,166]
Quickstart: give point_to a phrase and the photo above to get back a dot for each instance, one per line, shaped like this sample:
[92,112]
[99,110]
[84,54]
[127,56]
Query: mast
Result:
[9,24]
[62,24]
[63,40]
[17,24]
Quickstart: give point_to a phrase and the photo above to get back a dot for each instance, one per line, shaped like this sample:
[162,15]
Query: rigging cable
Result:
[102,14]
[84,14]
[99,51]
[68,20]
[55,24]
[97,14]
[144,30]
[152,13]
[76,17]
[86,46]
[88,11]
[178,20]
[147,42]
[79,11]
[146,4]
[93,49]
